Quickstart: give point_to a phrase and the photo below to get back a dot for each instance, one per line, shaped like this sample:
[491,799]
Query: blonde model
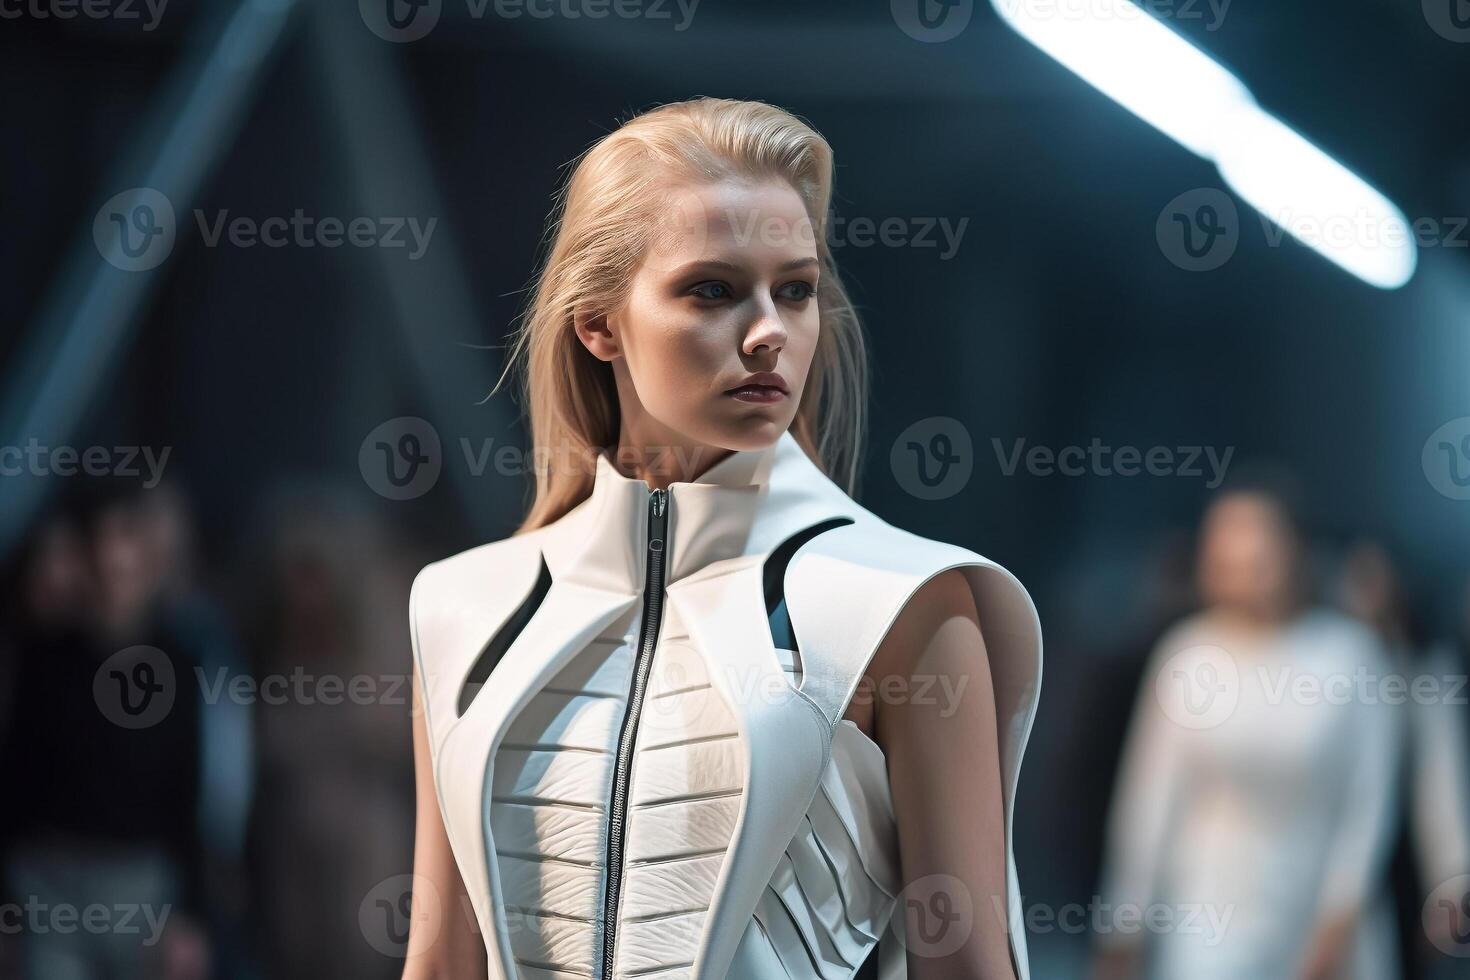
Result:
[704,715]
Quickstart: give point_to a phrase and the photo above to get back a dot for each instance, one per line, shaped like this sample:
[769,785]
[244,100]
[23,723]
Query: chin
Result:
[755,430]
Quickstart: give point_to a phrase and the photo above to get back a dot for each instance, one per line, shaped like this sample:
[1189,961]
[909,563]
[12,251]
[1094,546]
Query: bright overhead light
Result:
[1134,59]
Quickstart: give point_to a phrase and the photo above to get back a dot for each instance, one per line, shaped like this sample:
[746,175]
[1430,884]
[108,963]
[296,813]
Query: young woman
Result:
[646,747]
[1253,816]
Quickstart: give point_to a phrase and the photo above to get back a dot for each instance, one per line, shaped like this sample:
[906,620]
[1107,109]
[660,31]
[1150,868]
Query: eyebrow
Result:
[789,266]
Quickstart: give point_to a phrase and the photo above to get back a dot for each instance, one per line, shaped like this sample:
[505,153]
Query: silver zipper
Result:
[653,604]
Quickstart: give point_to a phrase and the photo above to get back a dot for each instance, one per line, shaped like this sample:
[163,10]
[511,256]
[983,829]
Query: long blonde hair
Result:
[602,224]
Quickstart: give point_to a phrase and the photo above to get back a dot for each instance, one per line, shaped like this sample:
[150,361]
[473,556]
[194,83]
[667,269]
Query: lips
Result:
[767,382]
[758,394]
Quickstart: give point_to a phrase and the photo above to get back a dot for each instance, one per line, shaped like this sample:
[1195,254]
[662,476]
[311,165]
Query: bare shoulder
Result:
[938,630]
[931,611]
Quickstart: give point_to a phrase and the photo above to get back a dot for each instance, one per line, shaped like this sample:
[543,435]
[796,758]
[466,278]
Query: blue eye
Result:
[803,291]
[711,290]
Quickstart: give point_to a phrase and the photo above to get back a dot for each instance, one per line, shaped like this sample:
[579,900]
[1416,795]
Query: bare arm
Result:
[443,940]
[935,719]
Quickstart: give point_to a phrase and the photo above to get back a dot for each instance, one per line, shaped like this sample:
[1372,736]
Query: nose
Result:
[767,331]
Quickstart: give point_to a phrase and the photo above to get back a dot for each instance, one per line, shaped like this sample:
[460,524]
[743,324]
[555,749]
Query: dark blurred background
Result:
[265,543]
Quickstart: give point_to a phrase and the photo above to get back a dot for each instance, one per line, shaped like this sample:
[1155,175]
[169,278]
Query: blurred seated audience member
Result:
[47,592]
[101,755]
[335,819]
[1250,826]
[168,530]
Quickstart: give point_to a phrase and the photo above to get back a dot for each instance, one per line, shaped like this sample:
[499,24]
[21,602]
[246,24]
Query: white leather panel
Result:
[685,796]
[548,942]
[683,883]
[571,834]
[602,669]
[560,887]
[574,721]
[551,784]
[571,777]
[663,942]
[684,718]
[688,771]
[525,972]
[679,666]
[685,829]
[551,781]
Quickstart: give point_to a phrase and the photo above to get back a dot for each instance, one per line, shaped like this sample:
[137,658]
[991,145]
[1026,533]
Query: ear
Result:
[596,334]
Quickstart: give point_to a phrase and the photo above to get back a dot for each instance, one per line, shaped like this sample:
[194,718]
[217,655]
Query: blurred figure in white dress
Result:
[1440,821]
[1253,814]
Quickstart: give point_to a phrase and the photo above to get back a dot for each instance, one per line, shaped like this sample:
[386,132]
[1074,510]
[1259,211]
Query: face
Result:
[124,573]
[58,579]
[1246,557]
[727,292]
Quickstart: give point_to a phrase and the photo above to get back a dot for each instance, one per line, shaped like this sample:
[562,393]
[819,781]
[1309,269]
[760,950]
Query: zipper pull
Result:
[658,521]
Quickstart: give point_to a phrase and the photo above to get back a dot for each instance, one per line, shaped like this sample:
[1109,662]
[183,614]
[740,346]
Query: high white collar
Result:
[739,506]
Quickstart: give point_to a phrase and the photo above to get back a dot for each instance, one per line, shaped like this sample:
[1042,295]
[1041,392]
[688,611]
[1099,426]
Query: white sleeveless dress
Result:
[637,779]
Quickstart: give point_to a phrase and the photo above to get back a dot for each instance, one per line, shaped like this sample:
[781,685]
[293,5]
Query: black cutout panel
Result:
[774,578]
[503,638]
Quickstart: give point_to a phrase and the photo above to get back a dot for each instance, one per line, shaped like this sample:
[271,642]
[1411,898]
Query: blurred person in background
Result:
[335,820]
[100,750]
[1440,788]
[1255,799]
[167,531]
[47,591]
[1371,589]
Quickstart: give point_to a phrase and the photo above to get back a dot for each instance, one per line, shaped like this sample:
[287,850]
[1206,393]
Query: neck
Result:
[662,457]
[1257,619]
[715,515]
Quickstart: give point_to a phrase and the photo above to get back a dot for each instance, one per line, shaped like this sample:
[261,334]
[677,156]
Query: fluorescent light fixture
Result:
[1143,65]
